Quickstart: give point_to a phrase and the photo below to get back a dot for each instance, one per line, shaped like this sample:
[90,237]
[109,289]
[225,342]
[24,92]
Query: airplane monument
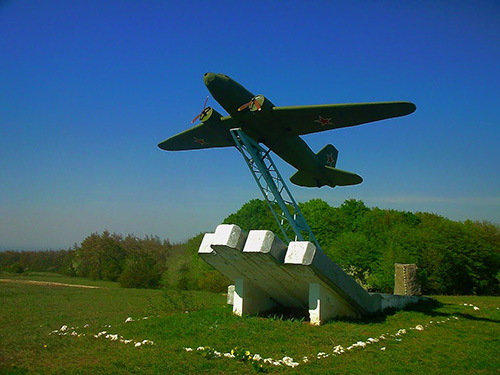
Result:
[291,272]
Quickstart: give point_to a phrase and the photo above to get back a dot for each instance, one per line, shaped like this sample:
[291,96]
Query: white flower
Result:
[63,328]
[419,327]
[200,348]
[289,362]
[188,349]
[129,319]
[147,342]
[228,355]
[402,331]
[85,326]
[382,348]
[338,349]
[256,357]
[476,308]
[137,344]
[359,343]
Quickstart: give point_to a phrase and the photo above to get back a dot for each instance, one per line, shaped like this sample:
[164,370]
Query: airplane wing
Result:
[201,136]
[316,118]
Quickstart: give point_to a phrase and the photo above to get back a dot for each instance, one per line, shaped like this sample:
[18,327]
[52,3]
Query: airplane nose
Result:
[208,77]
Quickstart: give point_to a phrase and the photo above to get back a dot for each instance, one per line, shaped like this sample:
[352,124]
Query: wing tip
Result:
[163,146]
[411,107]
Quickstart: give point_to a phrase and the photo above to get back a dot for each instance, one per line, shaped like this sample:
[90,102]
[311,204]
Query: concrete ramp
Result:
[268,274]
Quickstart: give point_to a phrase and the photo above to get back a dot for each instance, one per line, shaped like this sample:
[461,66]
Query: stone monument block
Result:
[405,280]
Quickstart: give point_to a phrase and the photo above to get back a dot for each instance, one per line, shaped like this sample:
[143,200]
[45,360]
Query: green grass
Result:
[29,313]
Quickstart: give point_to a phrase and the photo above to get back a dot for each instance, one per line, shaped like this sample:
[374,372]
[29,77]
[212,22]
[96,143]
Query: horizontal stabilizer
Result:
[330,177]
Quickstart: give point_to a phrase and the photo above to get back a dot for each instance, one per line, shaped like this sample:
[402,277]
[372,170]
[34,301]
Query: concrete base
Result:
[267,274]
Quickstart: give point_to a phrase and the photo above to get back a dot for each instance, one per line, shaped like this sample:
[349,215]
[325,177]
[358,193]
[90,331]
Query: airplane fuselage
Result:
[259,124]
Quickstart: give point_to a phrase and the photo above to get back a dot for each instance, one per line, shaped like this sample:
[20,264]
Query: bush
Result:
[16,268]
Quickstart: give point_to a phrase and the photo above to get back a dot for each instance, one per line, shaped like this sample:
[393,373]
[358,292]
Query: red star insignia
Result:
[329,159]
[200,141]
[324,121]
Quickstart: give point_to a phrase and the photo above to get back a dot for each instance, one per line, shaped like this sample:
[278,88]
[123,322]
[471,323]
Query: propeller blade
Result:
[201,113]
[256,104]
[244,106]
[196,118]
[253,102]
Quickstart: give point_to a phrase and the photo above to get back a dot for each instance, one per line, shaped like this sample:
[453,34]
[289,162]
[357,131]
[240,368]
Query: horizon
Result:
[210,231]
[91,88]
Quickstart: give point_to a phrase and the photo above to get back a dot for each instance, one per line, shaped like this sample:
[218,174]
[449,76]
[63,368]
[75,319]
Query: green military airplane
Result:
[279,128]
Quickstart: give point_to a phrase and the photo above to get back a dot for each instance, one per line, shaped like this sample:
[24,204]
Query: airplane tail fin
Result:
[328,156]
[330,176]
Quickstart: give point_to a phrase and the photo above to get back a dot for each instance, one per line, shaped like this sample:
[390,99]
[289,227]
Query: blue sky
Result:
[89,88]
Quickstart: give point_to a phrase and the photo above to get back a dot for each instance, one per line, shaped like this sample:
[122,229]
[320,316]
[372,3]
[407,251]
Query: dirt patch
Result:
[49,283]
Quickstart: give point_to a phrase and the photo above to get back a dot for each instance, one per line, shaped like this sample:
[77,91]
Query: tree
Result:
[100,257]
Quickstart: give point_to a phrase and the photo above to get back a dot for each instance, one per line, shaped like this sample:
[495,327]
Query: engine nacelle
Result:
[259,103]
[210,116]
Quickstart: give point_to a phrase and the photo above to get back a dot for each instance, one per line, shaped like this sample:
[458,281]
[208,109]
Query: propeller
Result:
[253,102]
[203,112]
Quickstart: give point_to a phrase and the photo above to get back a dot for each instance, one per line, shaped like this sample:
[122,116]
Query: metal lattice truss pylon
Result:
[281,202]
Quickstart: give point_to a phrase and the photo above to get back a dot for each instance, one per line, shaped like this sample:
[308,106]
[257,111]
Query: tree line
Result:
[452,257]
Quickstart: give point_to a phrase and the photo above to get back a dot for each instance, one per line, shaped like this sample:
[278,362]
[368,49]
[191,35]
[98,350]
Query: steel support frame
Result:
[292,223]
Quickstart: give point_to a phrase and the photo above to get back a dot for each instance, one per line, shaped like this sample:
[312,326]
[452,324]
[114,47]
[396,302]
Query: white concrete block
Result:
[230,235]
[265,242]
[230,295]
[205,247]
[300,252]
[325,304]
[250,299]
[209,255]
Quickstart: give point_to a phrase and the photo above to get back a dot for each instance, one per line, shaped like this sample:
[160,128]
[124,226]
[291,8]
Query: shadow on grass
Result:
[476,318]
[285,314]
[428,306]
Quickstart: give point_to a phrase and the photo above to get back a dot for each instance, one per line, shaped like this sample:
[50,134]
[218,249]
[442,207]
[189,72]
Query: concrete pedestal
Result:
[268,274]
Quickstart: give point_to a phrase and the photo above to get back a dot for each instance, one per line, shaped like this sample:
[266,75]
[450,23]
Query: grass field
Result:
[443,337]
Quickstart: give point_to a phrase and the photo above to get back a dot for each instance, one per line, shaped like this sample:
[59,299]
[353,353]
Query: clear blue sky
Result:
[88,89]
